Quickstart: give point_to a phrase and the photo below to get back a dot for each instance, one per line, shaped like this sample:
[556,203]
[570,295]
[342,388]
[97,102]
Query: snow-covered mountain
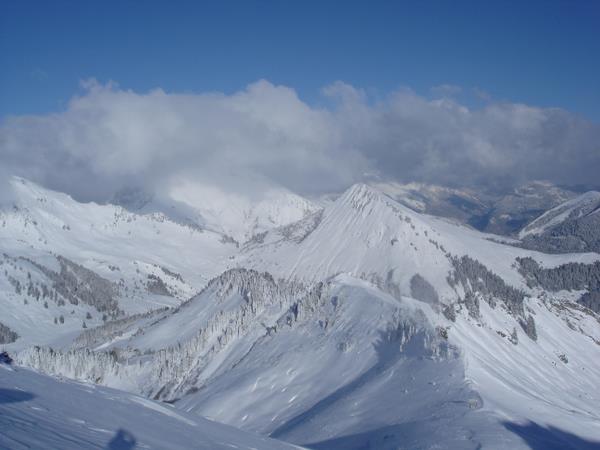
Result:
[40,412]
[371,236]
[237,216]
[575,208]
[573,226]
[491,212]
[65,263]
[368,325]
[513,211]
[464,205]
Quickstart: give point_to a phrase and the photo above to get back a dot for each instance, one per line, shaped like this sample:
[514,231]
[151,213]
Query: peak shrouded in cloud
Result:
[108,138]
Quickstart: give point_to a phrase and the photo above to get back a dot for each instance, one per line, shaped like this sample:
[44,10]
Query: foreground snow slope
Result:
[40,412]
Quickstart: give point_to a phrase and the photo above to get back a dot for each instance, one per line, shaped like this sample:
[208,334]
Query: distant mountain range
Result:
[573,226]
[504,214]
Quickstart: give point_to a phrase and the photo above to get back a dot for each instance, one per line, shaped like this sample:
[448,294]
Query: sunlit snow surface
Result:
[38,225]
[357,384]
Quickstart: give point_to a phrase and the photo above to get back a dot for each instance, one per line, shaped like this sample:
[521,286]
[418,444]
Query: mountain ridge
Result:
[334,319]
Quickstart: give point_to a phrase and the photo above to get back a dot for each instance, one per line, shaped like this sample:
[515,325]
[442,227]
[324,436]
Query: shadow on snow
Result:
[14,396]
[123,440]
[551,438]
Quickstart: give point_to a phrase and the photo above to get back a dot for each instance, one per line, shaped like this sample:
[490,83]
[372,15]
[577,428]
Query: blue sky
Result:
[542,53]
[309,95]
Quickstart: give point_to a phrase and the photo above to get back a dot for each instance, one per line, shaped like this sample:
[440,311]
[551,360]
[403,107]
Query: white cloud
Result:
[110,137]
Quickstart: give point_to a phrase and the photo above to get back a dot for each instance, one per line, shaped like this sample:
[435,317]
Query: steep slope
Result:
[293,366]
[369,235]
[344,365]
[479,283]
[166,355]
[320,375]
[64,263]
[573,226]
[40,412]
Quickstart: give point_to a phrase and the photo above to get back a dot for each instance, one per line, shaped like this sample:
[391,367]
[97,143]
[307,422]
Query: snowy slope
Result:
[372,237]
[573,226]
[347,366]
[51,222]
[549,380]
[131,263]
[575,208]
[313,373]
[369,235]
[514,210]
[324,375]
[40,412]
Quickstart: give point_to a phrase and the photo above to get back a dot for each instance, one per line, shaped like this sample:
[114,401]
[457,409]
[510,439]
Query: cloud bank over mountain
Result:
[108,137]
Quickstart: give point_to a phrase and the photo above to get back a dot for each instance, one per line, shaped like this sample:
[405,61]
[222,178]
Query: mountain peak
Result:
[359,195]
